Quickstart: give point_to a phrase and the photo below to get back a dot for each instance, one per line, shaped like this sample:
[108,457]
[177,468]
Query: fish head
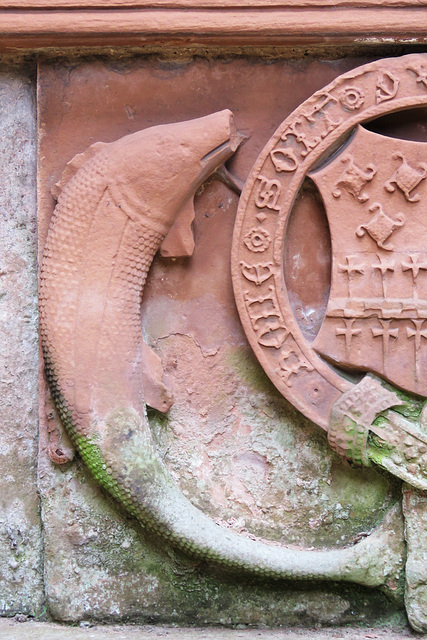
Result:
[157,171]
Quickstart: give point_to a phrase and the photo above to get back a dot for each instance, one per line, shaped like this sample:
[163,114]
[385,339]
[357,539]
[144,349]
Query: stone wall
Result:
[21,543]
[235,447]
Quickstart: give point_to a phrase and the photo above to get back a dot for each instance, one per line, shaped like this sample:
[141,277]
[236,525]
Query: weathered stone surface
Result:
[415,510]
[14,630]
[233,444]
[21,588]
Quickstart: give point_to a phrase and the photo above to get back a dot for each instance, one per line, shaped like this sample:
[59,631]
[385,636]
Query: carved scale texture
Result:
[60,278]
[94,268]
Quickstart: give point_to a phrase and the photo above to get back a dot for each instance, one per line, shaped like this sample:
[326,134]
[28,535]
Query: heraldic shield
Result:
[375,196]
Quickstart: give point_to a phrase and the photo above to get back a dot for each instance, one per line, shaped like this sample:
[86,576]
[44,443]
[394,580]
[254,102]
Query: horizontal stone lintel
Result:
[34,24]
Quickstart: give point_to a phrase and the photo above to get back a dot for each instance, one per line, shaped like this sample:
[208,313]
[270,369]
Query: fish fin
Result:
[74,165]
[179,242]
[156,394]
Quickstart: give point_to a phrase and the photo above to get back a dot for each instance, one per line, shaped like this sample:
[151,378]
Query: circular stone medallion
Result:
[307,139]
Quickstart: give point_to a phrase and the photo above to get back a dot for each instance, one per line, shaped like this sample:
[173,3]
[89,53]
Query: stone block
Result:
[21,560]
[232,443]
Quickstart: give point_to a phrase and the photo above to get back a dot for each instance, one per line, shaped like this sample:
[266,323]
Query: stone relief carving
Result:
[406,178]
[375,316]
[381,226]
[387,86]
[117,204]
[354,179]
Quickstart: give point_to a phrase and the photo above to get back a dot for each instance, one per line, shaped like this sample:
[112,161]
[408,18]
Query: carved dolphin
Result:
[116,204]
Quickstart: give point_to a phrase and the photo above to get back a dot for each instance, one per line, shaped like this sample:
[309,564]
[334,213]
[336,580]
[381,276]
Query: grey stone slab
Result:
[21,588]
[415,509]
[10,630]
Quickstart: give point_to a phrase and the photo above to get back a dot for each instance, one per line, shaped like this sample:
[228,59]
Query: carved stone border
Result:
[31,24]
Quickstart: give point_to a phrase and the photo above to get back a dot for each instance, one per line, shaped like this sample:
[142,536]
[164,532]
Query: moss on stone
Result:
[378,449]
[250,371]
[412,405]
[369,500]
[92,456]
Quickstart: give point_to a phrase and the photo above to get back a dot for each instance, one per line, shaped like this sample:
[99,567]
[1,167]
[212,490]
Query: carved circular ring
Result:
[312,132]
[352,98]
